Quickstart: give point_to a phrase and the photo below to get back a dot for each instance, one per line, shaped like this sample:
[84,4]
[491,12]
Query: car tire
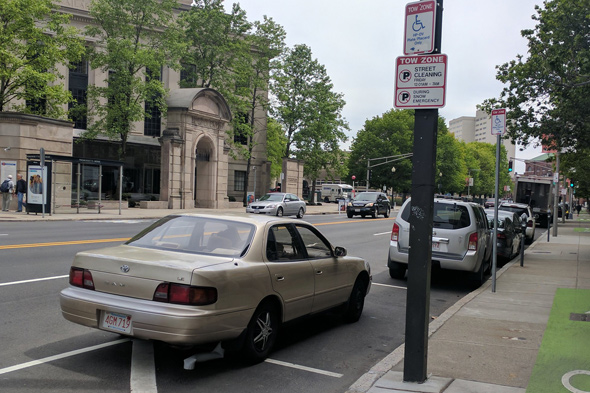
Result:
[478,277]
[397,270]
[374,213]
[280,212]
[261,333]
[386,214]
[326,200]
[349,214]
[356,301]
[300,213]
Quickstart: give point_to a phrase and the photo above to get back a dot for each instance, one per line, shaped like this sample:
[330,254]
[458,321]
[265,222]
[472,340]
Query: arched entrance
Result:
[205,179]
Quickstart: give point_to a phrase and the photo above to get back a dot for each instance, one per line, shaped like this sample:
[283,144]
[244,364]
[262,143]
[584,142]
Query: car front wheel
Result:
[300,213]
[261,333]
[386,214]
[356,302]
[349,214]
[280,212]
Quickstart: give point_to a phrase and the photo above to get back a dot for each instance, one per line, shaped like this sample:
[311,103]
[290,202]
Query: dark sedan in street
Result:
[510,233]
[369,204]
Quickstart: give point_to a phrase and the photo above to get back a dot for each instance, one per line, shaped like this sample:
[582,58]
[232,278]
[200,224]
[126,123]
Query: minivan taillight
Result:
[529,223]
[473,242]
[395,233]
[185,294]
[81,278]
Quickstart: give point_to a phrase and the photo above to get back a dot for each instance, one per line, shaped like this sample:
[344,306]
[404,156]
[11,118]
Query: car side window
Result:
[315,246]
[283,244]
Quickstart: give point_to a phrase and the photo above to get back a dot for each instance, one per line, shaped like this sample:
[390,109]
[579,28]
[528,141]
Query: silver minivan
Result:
[461,239]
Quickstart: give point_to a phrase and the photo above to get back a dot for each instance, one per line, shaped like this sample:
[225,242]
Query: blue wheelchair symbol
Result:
[417,25]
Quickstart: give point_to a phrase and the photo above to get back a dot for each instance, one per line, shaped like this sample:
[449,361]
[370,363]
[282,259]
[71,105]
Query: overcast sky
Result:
[359,40]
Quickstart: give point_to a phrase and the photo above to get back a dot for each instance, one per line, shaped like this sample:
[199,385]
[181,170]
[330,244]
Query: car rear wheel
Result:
[356,302]
[478,277]
[386,214]
[397,270]
[300,213]
[327,200]
[280,212]
[261,333]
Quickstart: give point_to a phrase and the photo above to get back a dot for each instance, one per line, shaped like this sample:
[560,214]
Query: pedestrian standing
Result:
[21,191]
[7,189]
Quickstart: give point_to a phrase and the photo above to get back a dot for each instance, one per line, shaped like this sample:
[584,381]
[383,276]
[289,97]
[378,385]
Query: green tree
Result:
[451,168]
[215,44]
[275,147]
[134,40]
[548,91]
[35,39]
[309,111]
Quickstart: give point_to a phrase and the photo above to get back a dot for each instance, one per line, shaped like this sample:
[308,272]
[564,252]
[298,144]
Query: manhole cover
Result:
[580,317]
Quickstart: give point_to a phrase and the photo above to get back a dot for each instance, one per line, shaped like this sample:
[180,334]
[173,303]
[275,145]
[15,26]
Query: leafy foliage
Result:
[275,146]
[548,92]
[134,40]
[35,39]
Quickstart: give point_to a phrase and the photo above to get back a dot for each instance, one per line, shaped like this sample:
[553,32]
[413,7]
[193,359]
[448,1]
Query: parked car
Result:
[461,239]
[509,233]
[522,208]
[369,203]
[560,208]
[490,202]
[193,279]
[278,204]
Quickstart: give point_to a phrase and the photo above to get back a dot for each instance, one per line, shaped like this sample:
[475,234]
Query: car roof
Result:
[513,204]
[255,219]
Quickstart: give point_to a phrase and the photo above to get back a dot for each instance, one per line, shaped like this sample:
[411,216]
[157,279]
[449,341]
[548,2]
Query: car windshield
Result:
[272,197]
[201,235]
[366,196]
[347,190]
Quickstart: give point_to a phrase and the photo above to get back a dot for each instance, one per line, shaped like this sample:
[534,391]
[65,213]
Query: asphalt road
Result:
[43,351]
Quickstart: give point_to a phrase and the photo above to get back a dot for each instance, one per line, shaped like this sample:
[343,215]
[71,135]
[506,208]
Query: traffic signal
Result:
[571,184]
[509,165]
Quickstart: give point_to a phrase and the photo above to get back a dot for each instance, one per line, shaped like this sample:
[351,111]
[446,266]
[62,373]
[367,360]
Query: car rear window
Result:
[518,210]
[445,215]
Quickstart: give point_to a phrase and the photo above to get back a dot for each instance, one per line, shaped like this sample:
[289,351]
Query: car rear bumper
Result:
[466,262]
[171,323]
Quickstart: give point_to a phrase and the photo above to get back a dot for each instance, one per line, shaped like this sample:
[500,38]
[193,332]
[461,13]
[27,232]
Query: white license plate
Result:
[357,210]
[435,246]
[117,322]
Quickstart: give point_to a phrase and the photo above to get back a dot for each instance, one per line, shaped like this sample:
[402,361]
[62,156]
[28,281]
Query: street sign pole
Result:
[498,129]
[419,263]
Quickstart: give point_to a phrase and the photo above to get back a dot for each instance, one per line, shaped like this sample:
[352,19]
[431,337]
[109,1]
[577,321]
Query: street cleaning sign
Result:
[498,121]
[419,27]
[420,81]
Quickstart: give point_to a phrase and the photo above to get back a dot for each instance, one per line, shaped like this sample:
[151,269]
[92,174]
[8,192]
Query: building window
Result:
[78,86]
[152,123]
[188,74]
[239,180]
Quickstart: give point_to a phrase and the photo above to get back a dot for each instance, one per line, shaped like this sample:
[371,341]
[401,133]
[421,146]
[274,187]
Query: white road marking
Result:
[389,286]
[32,280]
[304,368]
[143,368]
[382,233]
[61,356]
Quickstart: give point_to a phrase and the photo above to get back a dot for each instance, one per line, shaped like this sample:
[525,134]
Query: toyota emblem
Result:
[125,269]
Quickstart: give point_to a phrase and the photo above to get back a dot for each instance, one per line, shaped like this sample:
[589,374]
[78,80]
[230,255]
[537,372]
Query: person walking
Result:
[7,189]
[21,191]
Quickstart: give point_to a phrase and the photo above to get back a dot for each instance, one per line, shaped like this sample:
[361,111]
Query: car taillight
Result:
[81,278]
[529,224]
[501,236]
[473,242]
[395,232]
[185,294]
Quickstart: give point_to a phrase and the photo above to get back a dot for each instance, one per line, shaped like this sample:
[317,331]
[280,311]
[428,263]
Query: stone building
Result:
[181,160]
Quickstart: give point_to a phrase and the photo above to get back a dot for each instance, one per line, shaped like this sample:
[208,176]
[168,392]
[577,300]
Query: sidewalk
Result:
[518,336]
[137,213]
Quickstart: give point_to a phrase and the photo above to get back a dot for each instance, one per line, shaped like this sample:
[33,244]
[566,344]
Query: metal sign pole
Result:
[495,233]
[44,180]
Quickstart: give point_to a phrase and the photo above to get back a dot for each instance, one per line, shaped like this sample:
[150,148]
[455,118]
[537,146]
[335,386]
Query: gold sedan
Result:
[192,279]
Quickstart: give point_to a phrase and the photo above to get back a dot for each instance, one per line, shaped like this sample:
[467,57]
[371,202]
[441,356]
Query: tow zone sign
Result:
[420,81]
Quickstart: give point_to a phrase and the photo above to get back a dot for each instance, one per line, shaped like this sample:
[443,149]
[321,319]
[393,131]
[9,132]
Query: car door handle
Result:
[279,278]
[319,272]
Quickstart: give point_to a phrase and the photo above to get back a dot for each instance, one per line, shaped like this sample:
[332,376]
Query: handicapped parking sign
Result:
[420,27]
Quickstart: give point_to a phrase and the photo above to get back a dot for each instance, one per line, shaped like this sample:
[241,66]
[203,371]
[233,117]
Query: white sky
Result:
[359,40]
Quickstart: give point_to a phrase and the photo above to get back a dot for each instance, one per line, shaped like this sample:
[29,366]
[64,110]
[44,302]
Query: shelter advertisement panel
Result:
[37,185]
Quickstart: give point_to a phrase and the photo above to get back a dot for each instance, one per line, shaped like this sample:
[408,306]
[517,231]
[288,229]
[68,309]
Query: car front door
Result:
[333,277]
[291,273]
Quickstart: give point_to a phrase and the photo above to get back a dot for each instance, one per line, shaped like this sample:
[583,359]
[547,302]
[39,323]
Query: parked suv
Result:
[461,239]
[520,209]
[369,203]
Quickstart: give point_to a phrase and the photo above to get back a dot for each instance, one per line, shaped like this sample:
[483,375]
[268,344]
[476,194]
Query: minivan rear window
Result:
[445,215]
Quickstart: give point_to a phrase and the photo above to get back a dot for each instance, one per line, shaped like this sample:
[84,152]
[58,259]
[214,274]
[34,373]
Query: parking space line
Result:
[32,280]
[304,368]
[143,368]
[387,285]
[60,356]
[382,233]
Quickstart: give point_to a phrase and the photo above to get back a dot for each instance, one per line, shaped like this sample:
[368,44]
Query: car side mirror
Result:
[340,251]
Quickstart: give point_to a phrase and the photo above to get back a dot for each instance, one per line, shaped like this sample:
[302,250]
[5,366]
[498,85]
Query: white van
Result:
[336,192]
